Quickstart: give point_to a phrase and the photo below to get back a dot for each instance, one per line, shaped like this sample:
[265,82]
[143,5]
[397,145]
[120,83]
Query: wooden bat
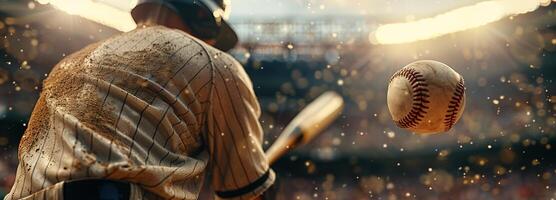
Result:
[307,124]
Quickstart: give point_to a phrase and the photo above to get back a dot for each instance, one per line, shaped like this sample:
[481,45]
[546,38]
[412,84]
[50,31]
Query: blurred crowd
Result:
[500,149]
[433,185]
[8,164]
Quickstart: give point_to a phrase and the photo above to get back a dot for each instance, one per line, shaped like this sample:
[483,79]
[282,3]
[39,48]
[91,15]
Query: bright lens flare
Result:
[98,12]
[452,21]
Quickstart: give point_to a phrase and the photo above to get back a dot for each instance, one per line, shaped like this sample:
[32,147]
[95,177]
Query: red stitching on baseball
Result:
[420,97]
[454,106]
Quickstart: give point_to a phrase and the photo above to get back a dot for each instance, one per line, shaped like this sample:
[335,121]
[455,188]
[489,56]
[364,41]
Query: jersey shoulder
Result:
[229,66]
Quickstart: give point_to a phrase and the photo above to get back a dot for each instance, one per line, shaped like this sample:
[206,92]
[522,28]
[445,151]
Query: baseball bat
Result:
[307,124]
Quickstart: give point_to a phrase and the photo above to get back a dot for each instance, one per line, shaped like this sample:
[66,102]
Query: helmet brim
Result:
[227,38]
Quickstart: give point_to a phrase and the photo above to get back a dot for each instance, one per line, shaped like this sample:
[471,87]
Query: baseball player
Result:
[148,114]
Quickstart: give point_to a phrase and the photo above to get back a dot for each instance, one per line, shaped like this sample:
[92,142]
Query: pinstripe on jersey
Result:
[154,107]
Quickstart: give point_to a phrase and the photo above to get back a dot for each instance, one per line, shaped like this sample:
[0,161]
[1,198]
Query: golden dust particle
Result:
[464,138]
[514,137]
[391,134]
[495,101]
[482,162]
[552,99]
[526,142]
[443,153]
[311,169]
[477,177]
[535,162]
[343,72]
[336,141]
[34,42]
[25,65]
[499,170]
[290,46]
[407,194]
[390,186]
[340,82]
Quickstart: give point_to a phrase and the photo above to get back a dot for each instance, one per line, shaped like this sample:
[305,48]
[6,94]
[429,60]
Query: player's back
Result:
[129,108]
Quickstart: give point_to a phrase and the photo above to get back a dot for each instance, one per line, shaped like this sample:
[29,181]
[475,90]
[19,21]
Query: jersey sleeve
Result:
[238,164]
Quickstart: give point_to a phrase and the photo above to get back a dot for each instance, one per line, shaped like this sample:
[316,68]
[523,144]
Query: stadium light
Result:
[98,12]
[453,21]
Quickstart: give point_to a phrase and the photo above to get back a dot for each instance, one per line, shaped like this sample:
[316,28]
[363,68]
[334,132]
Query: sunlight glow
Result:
[452,21]
[98,12]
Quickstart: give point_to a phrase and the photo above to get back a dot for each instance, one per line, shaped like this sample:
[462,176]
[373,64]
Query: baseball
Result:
[426,97]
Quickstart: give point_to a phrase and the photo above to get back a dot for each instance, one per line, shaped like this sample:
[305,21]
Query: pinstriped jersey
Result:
[154,107]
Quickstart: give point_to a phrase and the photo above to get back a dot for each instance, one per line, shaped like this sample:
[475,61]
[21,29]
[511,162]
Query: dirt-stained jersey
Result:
[154,107]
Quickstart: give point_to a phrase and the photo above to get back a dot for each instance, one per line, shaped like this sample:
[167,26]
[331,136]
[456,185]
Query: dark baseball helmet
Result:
[206,18]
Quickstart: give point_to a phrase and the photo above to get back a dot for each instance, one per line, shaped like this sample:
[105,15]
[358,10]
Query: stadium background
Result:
[294,50]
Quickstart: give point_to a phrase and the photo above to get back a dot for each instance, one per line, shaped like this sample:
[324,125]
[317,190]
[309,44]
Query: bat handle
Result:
[288,140]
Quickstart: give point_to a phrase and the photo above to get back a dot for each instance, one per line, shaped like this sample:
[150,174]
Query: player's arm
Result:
[238,164]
